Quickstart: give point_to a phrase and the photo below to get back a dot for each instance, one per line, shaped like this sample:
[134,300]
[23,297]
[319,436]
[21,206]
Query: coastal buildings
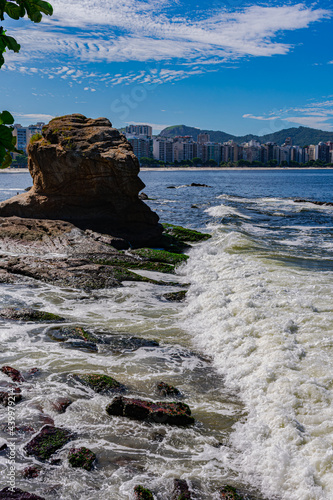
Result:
[182,149]
[24,134]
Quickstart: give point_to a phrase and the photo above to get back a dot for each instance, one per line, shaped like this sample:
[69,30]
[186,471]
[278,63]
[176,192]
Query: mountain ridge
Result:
[301,136]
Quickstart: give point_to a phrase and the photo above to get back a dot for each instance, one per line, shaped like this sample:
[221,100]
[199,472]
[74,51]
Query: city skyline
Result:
[235,66]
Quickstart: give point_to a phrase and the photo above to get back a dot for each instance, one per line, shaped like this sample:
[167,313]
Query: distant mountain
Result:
[301,136]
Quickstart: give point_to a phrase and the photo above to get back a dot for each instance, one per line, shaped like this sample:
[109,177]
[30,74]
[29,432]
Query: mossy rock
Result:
[185,235]
[176,296]
[49,440]
[160,267]
[142,493]
[81,457]
[154,255]
[27,314]
[168,390]
[102,384]
[73,332]
[230,493]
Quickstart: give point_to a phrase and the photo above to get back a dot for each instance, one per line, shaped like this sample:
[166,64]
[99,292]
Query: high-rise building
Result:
[203,138]
[142,130]
[24,134]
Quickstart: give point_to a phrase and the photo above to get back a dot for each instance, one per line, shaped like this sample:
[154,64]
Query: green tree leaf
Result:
[11,43]
[6,118]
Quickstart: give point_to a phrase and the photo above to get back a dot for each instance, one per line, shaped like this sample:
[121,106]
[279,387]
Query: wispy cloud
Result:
[132,30]
[28,118]
[317,114]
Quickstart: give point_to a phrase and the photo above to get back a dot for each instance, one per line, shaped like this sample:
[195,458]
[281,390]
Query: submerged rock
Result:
[14,374]
[81,457]
[103,384]
[32,471]
[73,332]
[117,343]
[61,404]
[165,389]
[96,185]
[160,412]
[142,493]
[175,296]
[181,490]
[49,440]
[27,314]
[230,493]
[18,494]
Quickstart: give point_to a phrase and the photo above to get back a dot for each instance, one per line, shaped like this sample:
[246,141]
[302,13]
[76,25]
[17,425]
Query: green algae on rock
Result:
[142,493]
[49,440]
[175,296]
[103,384]
[155,255]
[73,332]
[28,314]
[180,490]
[81,457]
[183,234]
[229,493]
[161,412]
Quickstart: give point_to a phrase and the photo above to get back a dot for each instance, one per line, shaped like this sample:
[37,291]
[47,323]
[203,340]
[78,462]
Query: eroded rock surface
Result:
[85,172]
[48,441]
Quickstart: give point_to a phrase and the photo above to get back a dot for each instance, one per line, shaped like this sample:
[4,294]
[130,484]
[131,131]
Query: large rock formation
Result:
[85,172]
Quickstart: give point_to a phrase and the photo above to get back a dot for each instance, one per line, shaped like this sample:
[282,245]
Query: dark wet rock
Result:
[49,440]
[125,263]
[158,436]
[195,184]
[103,384]
[31,471]
[73,332]
[60,405]
[175,296]
[320,203]
[142,493]
[160,412]
[97,182]
[18,494]
[171,187]
[8,398]
[14,374]
[180,490]
[230,493]
[143,196]
[194,206]
[3,447]
[85,346]
[55,462]
[81,457]
[117,343]
[155,255]
[168,390]
[32,372]
[27,314]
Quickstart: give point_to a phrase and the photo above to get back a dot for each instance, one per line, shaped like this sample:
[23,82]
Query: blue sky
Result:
[240,67]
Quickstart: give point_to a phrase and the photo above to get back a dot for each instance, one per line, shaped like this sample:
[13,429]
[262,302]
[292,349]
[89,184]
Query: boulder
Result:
[103,384]
[142,493]
[49,440]
[14,374]
[160,412]
[85,172]
[27,314]
[166,390]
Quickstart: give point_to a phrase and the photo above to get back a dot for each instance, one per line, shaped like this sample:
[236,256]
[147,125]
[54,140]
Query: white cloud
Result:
[133,30]
[317,114]
[29,118]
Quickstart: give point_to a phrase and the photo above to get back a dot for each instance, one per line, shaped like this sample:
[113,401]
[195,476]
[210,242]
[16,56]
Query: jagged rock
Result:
[85,172]
[27,314]
[142,493]
[160,412]
[165,390]
[180,490]
[103,384]
[31,471]
[18,494]
[48,441]
[81,457]
[14,374]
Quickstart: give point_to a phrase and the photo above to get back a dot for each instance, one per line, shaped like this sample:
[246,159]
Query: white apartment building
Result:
[24,134]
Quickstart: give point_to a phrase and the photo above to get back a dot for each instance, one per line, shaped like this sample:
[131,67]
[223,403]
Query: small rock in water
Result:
[195,184]
[143,196]
[180,490]
[73,332]
[3,447]
[32,471]
[168,390]
[142,493]
[61,404]
[176,296]
[18,494]
[160,412]
[81,457]
[14,374]
[229,493]
[27,314]
[47,442]
[103,384]
[129,343]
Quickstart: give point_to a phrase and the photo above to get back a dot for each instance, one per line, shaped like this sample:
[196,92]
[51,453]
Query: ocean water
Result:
[251,348]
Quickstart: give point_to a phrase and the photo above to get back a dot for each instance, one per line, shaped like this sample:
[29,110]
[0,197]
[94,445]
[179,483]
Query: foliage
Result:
[15,9]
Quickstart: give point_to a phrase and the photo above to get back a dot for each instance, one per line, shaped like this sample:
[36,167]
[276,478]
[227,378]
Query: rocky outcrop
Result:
[85,172]
[81,457]
[48,441]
